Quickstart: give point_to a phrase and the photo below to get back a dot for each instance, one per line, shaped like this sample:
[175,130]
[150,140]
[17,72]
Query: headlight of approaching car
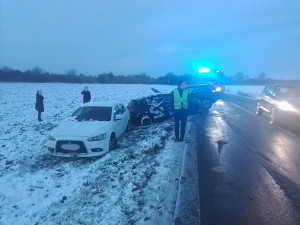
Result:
[51,138]
[97,138]
[285,106]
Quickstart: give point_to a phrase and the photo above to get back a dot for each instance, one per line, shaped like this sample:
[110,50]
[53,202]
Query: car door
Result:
[124,112]
[117,123]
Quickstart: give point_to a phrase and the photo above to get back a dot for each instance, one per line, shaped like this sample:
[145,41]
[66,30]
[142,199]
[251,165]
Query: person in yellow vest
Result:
[180,100]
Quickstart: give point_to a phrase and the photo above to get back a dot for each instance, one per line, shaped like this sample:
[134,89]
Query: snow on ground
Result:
[246,91]
[135,184]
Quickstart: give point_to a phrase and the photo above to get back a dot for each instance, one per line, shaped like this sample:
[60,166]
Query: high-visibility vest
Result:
[180,101]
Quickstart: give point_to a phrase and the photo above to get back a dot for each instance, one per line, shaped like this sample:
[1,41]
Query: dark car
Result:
[156,108]
[280,102]
[201,97]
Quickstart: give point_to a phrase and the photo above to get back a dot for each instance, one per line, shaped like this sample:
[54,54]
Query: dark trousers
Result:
[180,117]
[39,115]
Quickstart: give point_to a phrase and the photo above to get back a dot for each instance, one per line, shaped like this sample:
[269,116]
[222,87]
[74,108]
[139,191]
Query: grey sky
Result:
[156,37]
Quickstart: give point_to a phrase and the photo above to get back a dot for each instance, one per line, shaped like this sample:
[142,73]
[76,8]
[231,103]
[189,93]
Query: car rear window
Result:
[97,113]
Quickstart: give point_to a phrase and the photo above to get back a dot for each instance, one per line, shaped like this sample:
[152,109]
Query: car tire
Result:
[128,127]
[112,142]
[272,116]
[206,104]
[258,109]
[145,120]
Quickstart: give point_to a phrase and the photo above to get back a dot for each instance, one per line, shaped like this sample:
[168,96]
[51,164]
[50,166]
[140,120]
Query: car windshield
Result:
[93,113]
[199,89]
[288,91]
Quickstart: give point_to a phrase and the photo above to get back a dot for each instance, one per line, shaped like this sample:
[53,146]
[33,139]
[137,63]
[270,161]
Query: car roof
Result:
[199,85]
[101,103]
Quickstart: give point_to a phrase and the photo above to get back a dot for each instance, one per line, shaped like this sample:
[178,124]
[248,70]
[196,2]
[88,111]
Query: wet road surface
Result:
[249,170]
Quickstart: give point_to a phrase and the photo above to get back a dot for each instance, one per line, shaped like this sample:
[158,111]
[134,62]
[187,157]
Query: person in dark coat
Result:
[39,104]
[180,99]
[86,95]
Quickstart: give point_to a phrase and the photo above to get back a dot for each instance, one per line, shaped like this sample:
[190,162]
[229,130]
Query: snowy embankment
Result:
[135,184]
[245,91]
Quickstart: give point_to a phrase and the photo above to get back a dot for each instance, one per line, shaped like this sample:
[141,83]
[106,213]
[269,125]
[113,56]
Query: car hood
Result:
[80,129]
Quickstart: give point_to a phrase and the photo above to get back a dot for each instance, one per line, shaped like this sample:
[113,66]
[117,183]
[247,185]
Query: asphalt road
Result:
[249,170]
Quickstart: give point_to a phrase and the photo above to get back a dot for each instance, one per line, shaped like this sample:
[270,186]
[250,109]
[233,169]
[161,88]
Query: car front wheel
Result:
[128,127]
[145,120]
[206,104]
[112,142]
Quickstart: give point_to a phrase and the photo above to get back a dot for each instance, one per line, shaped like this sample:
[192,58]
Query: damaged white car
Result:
[92,130]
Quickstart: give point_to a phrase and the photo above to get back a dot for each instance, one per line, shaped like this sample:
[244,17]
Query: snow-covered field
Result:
[135,184]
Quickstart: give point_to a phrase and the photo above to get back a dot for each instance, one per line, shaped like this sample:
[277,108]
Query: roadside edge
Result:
[187,209]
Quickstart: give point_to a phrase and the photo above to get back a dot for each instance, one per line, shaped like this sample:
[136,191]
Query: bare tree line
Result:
[37,74]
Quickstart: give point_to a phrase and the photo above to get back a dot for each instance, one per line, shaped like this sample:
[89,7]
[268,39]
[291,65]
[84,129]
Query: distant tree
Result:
[71,72]
[262,76]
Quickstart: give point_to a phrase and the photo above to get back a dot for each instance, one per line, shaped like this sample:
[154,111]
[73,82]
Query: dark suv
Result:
[156,108]
[280,102]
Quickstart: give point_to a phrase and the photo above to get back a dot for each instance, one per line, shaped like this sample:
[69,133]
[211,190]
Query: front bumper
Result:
[77,147]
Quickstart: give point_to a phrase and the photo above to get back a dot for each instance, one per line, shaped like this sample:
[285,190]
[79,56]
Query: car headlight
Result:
[51,138]
[218,89]
[97,138]
[285,106]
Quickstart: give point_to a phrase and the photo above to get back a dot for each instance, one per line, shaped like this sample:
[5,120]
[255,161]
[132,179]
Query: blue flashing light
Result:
[203,70]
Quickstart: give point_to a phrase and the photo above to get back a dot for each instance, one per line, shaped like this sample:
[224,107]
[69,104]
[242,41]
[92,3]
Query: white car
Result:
[92,130]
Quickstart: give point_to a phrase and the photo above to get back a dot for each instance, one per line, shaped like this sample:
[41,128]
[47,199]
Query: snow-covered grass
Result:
[135,184]
[246,91]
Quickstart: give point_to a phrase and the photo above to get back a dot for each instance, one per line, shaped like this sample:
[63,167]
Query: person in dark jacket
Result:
[39,104]
[180,105]
[86,95]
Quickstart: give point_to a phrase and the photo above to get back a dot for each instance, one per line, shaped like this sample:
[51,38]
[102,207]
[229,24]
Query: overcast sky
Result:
[155,37]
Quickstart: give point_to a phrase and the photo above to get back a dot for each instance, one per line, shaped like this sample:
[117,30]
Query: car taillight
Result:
[213,91]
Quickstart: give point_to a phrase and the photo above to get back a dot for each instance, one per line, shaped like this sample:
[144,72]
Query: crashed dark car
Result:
[151,109]
[158,107]
[281,103]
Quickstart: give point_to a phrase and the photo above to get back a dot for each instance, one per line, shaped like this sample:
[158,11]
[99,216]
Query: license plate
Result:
[71,147]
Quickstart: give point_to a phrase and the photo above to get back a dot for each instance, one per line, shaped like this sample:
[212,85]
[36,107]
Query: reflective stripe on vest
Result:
[180,101]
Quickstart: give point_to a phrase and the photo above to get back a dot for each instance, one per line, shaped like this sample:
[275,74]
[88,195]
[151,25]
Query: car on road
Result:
[158,107]
[92,130]
[281,102]
[202,97]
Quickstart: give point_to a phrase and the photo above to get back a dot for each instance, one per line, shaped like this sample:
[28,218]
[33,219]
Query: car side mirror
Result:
[119,117]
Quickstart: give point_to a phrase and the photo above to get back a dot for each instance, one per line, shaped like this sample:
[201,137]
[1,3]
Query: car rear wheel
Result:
[145,120]
[272,116]
[112,142]
[258,109]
